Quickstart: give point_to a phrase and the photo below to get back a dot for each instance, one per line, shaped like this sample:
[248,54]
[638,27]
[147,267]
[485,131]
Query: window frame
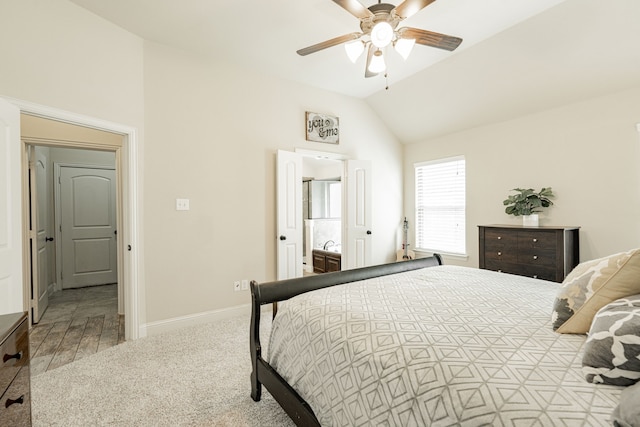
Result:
[417,197]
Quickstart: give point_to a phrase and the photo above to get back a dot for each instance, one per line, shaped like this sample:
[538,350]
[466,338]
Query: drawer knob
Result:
[8,357]
[499,237]
[10,402]
[535,240]
[499,253]
[535,257]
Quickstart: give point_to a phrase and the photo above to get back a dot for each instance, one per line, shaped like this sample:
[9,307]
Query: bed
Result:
[423,344]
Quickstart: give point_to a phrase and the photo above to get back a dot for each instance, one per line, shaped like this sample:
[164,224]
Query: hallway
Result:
[77,323]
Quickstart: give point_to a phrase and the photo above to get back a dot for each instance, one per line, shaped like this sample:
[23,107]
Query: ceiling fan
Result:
[379,28]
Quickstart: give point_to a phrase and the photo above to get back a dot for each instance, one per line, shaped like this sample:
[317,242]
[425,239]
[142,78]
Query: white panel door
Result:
[39,183]
[88,237]
[289,213]
[11,287]
[359,217]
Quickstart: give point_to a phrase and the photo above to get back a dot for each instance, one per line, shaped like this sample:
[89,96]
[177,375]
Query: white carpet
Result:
[197,376]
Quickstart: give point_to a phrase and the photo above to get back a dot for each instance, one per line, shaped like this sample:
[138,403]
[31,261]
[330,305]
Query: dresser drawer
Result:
[544,257]
[14,353]
[536,272]
[537,248]
[501,256]
[15,404]
[536,239]
[499,240]
[499,246]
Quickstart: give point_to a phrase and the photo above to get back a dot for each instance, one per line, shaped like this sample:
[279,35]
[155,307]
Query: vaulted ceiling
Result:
[517,56]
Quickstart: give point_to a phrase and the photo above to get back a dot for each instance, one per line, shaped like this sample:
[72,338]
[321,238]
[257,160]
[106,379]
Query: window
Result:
[440,206]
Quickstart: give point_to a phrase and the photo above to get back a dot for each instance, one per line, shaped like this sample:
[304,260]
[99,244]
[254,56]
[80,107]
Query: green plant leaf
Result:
[526,201]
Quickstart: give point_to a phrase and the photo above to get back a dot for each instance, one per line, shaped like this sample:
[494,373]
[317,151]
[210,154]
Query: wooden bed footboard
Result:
[272,292]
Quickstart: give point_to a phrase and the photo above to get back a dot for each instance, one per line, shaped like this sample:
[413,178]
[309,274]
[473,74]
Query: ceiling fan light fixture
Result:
[354,49]
[381,34]
[404,47]
[377,65]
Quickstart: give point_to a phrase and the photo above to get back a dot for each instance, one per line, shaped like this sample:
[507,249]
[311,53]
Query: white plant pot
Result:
[530,220]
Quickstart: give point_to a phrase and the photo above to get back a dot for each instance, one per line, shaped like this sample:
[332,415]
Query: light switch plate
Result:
[182,204]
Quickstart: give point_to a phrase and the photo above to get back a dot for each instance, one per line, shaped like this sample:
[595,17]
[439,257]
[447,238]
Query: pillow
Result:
[612,351]
[591,286]
[627,413]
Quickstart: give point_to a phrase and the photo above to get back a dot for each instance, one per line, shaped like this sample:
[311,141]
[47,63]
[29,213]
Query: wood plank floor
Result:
[77,323]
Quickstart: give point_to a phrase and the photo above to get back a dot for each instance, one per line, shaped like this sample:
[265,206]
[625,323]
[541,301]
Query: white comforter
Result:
[440,346]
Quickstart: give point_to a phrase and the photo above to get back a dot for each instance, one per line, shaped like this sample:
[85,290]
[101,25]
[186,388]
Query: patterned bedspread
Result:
[441,346]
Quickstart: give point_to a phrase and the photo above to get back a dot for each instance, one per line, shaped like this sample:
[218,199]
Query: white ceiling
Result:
[517,56]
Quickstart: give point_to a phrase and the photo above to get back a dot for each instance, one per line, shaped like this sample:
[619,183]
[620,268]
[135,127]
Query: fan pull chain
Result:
[386,82]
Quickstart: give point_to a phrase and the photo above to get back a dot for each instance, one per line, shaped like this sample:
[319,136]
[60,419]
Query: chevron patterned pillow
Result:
[592,285]
[612,351]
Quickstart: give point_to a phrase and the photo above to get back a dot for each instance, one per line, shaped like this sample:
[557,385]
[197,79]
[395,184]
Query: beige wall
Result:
[212,134]
[588,152]
[57,54]
[207,132]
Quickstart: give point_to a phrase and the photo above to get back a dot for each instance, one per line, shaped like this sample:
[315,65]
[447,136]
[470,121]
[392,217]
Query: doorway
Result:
[126,155]
[74,204]
[73,196]
[356,221]
[322,189]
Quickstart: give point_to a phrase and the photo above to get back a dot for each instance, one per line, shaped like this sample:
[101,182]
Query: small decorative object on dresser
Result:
[527,203]
[15,388]
[547,253]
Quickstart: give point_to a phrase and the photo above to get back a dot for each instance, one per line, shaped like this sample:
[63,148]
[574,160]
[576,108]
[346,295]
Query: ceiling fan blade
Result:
[370,51]
[355,8]
[429,38]
[328,43]
[410,7]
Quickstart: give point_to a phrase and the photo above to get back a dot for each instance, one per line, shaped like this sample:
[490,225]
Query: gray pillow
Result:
[627,413]
[612,350]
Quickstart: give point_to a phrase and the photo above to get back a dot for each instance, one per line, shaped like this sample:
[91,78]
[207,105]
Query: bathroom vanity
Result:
[326,261]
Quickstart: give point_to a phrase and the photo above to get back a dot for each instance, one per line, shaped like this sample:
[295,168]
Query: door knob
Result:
[283,237]
[48,239]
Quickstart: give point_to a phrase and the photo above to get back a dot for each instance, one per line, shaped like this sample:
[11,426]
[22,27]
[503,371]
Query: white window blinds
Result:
[440,206]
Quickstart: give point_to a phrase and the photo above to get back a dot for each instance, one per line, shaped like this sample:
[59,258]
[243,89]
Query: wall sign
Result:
[322,128]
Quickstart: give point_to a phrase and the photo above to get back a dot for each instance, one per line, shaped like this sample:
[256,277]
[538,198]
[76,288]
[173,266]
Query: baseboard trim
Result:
[162,326]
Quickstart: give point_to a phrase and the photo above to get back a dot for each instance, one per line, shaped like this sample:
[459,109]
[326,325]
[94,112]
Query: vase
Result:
[530,220]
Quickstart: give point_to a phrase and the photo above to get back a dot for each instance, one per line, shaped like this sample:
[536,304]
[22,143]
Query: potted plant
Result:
[527,203]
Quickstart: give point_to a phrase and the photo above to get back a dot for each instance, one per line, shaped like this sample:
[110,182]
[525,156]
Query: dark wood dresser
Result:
[15,382]
[547,253]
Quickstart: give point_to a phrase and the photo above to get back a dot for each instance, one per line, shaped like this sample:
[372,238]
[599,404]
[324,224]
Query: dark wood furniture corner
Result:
[15,381]
[547,253]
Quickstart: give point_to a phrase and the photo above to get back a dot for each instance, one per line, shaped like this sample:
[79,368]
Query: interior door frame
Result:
[326,155]
[129,197]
